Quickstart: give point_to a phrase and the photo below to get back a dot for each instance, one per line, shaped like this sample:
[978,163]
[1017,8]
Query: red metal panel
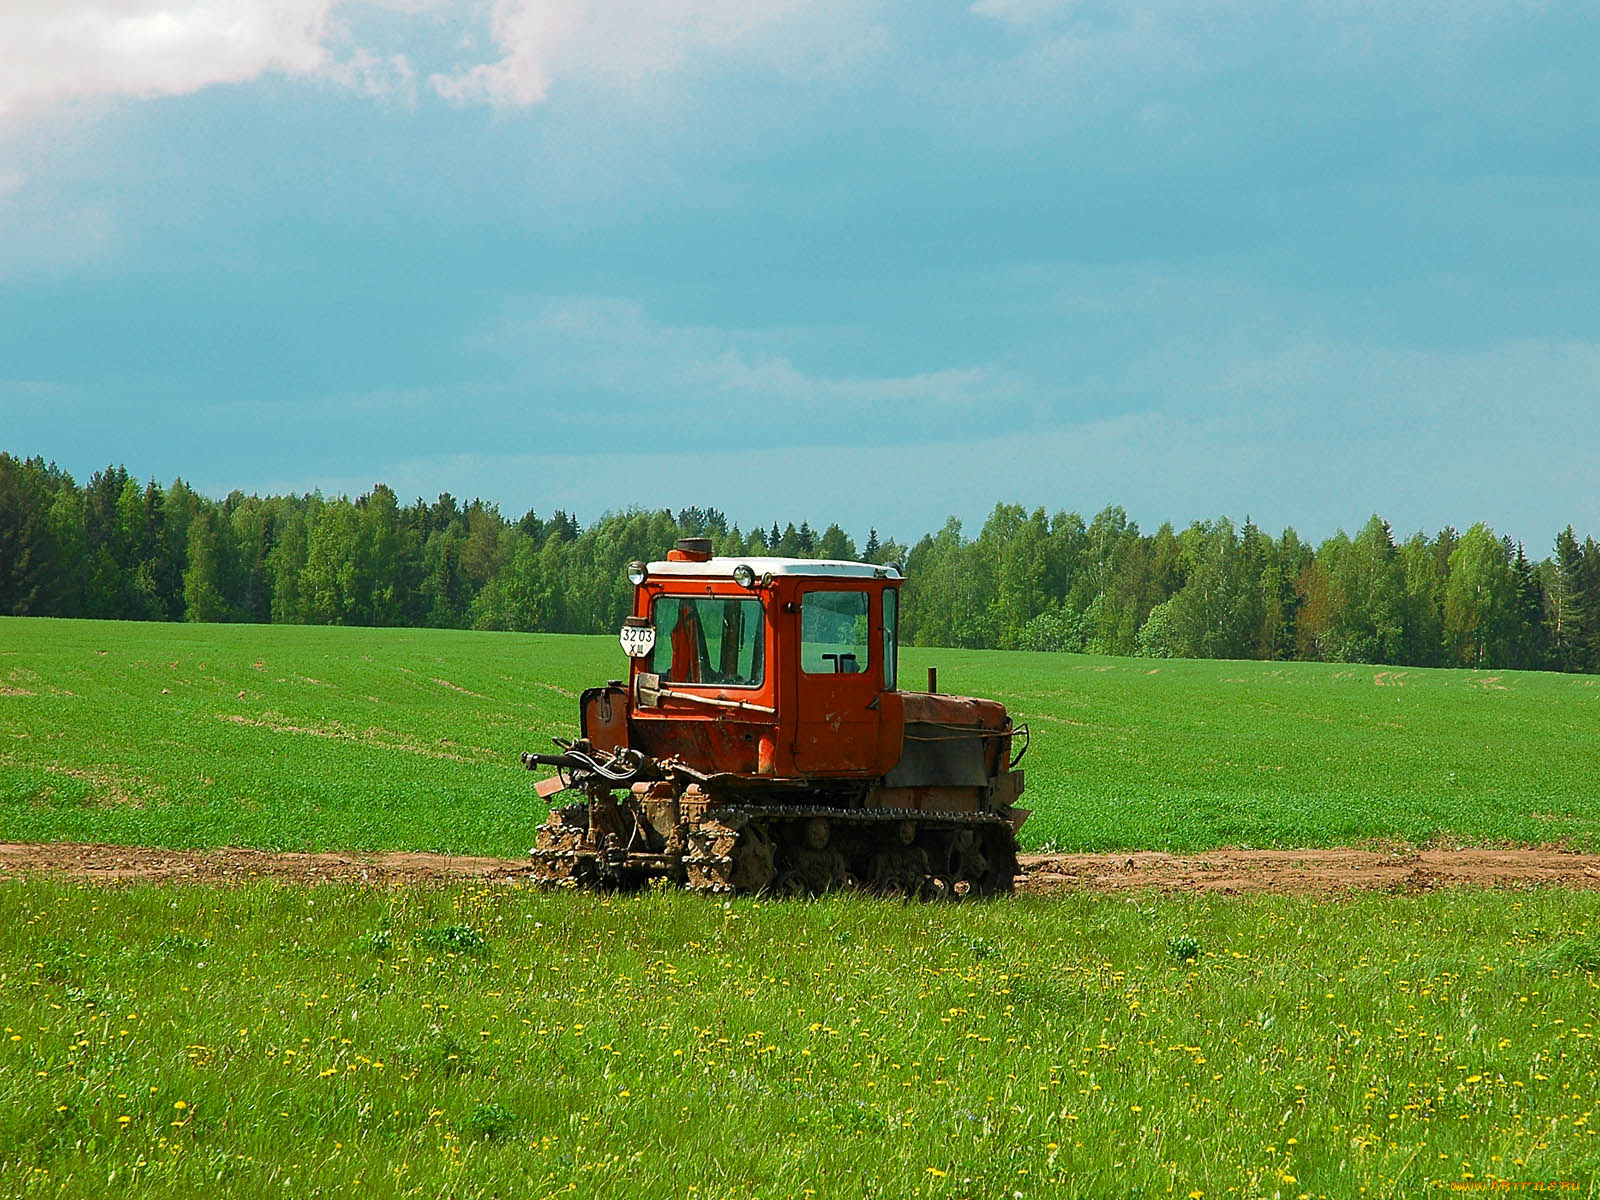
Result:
[838,716]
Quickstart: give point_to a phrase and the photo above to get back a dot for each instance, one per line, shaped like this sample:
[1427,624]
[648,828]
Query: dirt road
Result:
[1329,870]
[1296,871]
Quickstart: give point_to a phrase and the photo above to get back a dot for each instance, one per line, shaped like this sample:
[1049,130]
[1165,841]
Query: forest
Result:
[120,549]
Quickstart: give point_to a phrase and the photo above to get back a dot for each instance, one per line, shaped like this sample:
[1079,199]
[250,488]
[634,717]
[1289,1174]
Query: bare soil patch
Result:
[1225,871]
[1297,871]
[144,864]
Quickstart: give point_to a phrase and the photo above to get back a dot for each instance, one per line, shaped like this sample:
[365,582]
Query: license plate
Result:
[638,640]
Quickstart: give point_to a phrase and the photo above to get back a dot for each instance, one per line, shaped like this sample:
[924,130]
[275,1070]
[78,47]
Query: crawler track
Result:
[1223,871]
[738,848]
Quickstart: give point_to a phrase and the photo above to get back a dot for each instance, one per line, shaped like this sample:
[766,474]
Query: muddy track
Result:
[1225,871]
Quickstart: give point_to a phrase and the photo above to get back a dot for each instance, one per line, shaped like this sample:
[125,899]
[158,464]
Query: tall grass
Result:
[477,1042]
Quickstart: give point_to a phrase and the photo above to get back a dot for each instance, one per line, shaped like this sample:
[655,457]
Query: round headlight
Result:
[744,576]
[636,573]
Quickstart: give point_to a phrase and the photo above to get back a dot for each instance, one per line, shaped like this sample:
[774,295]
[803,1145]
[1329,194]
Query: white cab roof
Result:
[778,566]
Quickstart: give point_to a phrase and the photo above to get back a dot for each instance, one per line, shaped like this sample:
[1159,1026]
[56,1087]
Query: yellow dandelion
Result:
[936,1173]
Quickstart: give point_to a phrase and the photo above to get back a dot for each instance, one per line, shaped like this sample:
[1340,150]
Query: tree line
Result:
[118,548]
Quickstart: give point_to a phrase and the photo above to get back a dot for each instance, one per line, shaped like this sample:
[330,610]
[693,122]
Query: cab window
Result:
[834,634]
[709,639]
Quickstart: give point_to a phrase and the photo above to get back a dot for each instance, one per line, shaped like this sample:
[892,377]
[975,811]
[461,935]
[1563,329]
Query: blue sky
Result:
[873,263]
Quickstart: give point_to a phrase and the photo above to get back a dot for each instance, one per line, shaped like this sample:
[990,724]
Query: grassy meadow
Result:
[481,1041]
[271,1040]
[365,739]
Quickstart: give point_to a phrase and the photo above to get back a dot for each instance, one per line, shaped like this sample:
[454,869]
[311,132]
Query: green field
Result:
[475,1042]
[482,1041]
[364,739]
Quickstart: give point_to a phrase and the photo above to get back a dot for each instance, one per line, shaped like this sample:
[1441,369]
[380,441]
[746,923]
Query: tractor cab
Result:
[770,667]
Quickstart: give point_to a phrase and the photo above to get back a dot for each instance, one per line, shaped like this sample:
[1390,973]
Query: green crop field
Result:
[343,1041]
[362,739]
[426,1041]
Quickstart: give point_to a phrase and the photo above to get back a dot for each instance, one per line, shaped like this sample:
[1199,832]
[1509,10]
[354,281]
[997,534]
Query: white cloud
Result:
[1023,13]
[54,52]
[377,76]
[60,50]
[776,379]
[52,235]
[1434,50]
[614,349]
[628,41]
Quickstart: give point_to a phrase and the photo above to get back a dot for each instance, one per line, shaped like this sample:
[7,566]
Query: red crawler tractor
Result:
[761,744]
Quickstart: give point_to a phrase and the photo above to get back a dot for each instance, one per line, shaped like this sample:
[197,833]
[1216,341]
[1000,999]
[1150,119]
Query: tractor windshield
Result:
[709,639]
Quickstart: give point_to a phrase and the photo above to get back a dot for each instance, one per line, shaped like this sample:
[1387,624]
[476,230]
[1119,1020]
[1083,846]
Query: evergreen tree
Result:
[31,576]
[1569,617]
[789,542]
[1529,646]
[1586,598]
[565,526]
[836,545]
[531,525]
[106,583]
[732,543]
[444,589]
